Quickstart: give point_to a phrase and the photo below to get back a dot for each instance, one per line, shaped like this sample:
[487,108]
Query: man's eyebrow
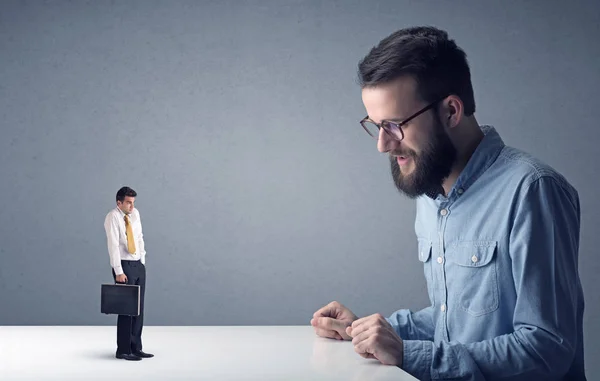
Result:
[394,119]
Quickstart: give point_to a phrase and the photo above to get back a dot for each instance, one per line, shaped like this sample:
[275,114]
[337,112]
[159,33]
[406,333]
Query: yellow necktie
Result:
[130,240]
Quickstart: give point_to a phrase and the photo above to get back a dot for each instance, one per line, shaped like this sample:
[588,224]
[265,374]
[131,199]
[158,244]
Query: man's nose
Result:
[385,142]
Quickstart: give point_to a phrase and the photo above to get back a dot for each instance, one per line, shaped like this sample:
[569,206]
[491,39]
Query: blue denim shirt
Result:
[500,256]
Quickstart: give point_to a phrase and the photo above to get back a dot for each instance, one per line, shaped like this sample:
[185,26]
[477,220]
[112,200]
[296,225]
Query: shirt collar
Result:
[484,156]
[121,212]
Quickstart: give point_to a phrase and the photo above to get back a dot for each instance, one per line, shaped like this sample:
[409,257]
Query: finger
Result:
[327,311]
[330,324]
[360,321]
[362,348]
[328,334]
[374,317]
[315,323]
[367,355]
[367,322]
[361,325]
[362,336]
[369,347]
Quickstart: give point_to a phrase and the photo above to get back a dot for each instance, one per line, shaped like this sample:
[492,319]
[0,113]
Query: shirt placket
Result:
[440,265]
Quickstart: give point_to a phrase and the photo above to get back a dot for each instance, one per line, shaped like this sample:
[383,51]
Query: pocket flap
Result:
[471,253]
[424,250]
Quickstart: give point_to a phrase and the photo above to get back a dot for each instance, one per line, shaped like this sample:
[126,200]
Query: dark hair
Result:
[125,191]
[438,65]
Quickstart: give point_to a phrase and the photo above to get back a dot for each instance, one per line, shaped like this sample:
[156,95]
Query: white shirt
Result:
[114,225]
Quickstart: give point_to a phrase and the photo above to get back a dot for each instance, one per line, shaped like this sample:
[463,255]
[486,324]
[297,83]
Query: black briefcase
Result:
[120,299]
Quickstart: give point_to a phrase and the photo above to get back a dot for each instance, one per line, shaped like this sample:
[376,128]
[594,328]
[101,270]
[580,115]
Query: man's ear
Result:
[452,111]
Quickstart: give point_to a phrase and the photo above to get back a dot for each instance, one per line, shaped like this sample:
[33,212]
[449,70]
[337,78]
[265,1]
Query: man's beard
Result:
[431,167]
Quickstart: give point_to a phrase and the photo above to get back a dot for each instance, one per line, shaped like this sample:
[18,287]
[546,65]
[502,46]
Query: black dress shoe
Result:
[128,356]
[143,354]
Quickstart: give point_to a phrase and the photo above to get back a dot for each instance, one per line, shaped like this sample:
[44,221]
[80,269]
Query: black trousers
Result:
[129,328]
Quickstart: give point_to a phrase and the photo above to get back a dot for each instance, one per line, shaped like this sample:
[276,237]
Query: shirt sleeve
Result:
[413,325]
[544,244]
[140,242]
[111,227]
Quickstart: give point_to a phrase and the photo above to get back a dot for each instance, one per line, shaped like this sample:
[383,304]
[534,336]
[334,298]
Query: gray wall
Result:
[236,122]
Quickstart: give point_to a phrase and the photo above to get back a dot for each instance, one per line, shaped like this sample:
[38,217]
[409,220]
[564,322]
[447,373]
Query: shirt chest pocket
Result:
[425,257]
[471,276]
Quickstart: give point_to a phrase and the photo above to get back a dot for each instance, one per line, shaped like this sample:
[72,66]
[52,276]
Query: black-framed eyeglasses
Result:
[391,127]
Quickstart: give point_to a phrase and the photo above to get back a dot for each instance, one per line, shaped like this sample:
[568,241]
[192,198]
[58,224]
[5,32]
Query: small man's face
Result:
[126,205]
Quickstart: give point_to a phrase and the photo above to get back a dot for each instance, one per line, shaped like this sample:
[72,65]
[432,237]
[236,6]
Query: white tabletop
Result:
[198,353]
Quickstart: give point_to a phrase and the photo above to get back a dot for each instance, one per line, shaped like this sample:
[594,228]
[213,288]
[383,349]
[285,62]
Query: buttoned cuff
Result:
[118,270]
[417,358]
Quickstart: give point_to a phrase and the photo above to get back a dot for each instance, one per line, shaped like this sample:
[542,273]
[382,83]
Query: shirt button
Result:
[440,260]
[474,259]
[443,307]
[444,212]
[461,191]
